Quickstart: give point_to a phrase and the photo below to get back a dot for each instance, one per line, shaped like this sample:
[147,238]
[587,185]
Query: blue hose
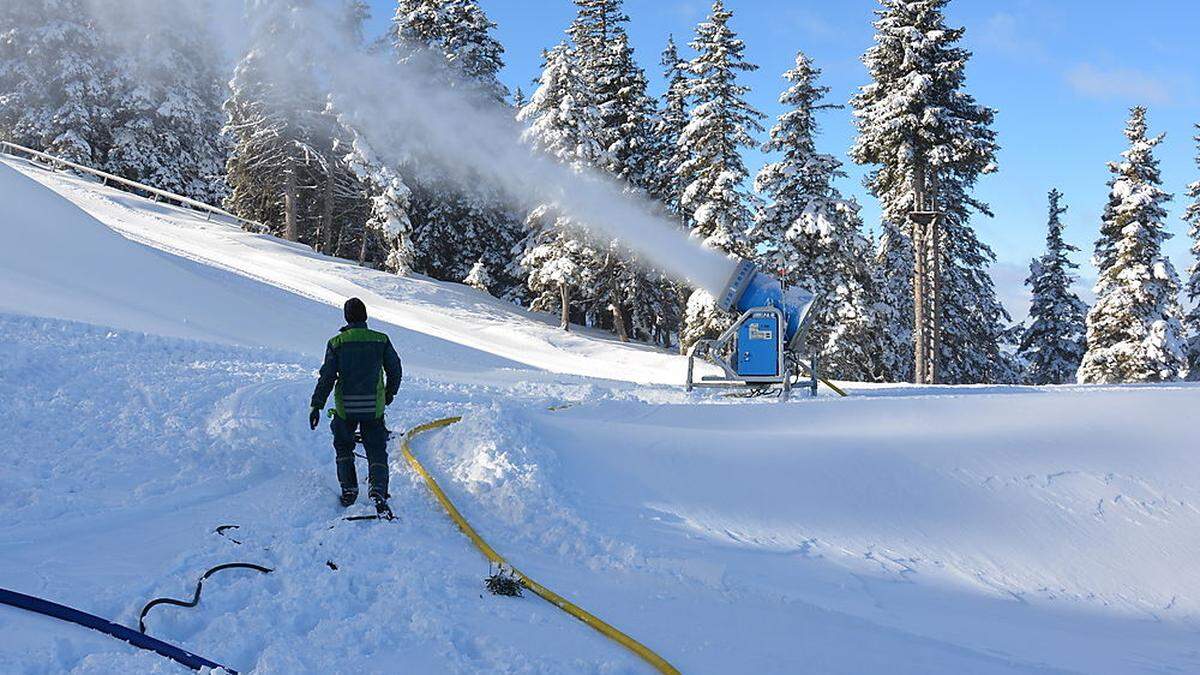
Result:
[139,640]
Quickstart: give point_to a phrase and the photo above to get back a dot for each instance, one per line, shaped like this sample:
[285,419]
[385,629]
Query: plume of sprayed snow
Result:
[405,111]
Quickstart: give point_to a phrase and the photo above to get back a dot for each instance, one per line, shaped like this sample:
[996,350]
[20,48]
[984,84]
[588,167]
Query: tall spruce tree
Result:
[922,132]
[281,132]
[456,226]
[167,120]
[672,118]
[720,125]
[559,256]
[57,88]
[1134,332]
[626,296]
[811,236]
[1052,345]
[387,230]
[1192,288]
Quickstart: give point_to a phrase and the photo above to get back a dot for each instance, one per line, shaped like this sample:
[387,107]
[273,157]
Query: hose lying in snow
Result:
[139,640]
[659,663]
[199,586]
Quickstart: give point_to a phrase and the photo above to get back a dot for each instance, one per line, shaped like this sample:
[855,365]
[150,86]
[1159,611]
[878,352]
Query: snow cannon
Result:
[761,352]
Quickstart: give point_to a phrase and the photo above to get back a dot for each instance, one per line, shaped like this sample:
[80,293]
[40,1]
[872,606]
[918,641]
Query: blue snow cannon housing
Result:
[749,289]
[762,348]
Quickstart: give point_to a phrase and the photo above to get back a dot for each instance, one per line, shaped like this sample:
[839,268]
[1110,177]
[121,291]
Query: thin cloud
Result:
[1118,83]
[814,25]
[1003,33]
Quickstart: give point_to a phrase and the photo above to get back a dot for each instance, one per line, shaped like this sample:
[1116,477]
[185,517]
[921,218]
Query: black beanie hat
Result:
[355,311]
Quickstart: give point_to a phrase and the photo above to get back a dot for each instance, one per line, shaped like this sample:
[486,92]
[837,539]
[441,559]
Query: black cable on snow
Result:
[199,586]
[139,640]
[221,531]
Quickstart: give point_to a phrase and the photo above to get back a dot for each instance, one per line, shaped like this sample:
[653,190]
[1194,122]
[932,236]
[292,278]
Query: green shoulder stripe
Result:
[357,335]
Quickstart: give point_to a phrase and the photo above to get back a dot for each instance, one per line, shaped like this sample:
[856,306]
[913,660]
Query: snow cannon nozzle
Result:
[749,288]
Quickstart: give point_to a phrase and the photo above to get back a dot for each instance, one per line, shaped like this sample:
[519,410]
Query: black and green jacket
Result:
[357,360]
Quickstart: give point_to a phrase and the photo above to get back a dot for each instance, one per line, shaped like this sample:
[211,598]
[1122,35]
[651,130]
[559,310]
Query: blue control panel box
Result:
[757,347]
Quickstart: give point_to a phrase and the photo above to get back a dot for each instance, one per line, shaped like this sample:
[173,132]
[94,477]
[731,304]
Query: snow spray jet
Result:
[408,115]
[405,111]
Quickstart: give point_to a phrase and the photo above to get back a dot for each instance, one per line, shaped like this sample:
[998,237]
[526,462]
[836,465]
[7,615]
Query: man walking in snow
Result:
[363,371]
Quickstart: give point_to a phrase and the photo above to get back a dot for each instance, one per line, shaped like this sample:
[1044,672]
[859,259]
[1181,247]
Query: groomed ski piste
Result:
[154,385]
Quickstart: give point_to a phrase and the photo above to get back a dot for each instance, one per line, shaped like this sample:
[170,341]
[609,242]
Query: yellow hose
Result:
[832,386]
[555,599]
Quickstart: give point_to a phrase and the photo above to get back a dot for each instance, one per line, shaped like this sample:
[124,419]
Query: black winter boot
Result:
[349,496]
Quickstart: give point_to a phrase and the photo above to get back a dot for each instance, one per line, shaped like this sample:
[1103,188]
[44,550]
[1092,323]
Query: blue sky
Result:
[1062,75]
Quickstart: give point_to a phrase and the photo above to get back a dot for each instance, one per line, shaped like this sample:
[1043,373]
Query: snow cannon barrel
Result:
[749,288]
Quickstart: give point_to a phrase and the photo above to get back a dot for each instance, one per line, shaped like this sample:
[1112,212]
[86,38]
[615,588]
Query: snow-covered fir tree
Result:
[1192,287]
[280,130]
[388,225]
[456,223]
[672,118]
[1134,332]
[562,122]
[478,278]
[628,297]
[167,120]
[921,131]
[810,235]
[57,88]
[1052,345]
[720,125]
[455,34]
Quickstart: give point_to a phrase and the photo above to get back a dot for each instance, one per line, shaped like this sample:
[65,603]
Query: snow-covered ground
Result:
[149,397]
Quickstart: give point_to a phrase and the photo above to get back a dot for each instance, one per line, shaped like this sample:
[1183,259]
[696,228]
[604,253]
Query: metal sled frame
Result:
[713,351]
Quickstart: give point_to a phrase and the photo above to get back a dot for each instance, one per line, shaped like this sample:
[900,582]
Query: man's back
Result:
[361,358]
[363,372]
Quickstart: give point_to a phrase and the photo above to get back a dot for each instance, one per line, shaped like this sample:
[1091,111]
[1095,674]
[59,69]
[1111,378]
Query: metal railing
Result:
[15,150]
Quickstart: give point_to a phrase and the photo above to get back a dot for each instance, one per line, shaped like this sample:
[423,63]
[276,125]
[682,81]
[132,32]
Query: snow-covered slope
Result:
[444,312]
[944,530]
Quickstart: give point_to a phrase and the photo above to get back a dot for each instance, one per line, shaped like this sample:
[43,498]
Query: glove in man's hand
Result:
[314,418]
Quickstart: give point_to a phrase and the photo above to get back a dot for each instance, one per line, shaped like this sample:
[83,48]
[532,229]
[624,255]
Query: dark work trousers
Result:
[375,440]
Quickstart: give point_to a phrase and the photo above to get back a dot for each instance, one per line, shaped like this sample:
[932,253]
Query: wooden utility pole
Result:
[927,306]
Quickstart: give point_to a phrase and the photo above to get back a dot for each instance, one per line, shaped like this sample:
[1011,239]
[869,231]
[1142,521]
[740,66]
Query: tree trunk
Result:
[618,314]
[565,321]
[290,231]
[362,249]
[327,235]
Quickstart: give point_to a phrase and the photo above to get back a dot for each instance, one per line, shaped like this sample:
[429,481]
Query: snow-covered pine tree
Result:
[561,122]
[455,225]
[1052,346]
[720,125]
[666,180]
[56,87]
[280,131]
[811,236]
[388,226]
[479,278]
[20,76]
[627,297]
[670,122]
[921,131]
[1134,332]
[167,120]
[1192,287]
